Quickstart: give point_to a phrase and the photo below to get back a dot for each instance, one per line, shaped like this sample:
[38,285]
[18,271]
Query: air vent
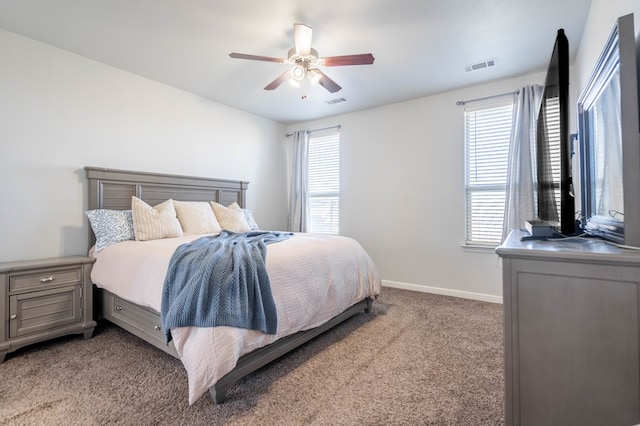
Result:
[481,65]
[336,101]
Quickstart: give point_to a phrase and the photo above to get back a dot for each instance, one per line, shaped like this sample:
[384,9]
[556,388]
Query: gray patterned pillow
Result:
[111,226]
[250,220]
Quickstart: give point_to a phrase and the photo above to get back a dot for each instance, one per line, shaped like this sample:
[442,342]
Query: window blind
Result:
[324,183]
[487,134]
[553,132]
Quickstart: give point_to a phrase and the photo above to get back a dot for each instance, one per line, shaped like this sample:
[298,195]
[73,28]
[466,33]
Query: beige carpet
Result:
[417,359]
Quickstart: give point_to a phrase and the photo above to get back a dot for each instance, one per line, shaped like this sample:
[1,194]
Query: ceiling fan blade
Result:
[257,58]
[327,83]
[302,39]
[338,61]
[278,81]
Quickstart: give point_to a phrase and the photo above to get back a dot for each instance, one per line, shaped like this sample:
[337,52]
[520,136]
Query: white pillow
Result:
[230,218]
[196,217]
[153,223]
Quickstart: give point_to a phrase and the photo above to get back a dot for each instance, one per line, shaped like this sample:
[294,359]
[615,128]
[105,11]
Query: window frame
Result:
[330,189]
[485,183]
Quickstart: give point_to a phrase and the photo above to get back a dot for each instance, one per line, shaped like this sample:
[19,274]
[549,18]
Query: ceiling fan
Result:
[306,62]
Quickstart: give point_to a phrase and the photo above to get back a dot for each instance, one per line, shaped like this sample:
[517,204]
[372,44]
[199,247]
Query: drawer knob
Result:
[118,308]
[156,327]
[47,279]
[14,316]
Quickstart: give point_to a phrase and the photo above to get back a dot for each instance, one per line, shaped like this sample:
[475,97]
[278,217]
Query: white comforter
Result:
[313,278]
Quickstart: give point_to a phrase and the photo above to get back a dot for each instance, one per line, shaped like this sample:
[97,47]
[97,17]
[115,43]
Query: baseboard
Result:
[444,291]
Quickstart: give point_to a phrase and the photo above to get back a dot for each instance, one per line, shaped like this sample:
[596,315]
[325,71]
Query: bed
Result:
[111,189]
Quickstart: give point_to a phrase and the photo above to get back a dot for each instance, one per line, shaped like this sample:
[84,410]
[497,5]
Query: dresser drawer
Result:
[38,311]
[45,278]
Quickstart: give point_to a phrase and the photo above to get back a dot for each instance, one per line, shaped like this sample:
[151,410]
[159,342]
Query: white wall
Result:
[402,191]
[601,20]
[60,112]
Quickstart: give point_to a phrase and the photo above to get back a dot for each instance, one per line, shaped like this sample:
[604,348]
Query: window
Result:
[324,182]
[487,134]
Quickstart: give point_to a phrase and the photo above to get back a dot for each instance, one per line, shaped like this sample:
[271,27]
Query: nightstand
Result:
[44,299]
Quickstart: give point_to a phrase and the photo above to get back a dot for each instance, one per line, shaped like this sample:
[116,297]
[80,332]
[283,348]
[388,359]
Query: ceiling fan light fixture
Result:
[295,83]
[314,76]
[298,72]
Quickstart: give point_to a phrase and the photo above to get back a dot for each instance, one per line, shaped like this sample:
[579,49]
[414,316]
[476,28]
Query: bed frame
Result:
[113,189]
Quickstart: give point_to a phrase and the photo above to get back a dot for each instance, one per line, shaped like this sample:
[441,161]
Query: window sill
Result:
[479,248]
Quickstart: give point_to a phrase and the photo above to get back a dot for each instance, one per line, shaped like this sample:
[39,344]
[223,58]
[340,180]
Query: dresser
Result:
[43,299]
[571,332]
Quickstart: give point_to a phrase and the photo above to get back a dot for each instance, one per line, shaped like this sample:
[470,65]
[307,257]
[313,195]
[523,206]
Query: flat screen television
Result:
[555,196]
[609,131]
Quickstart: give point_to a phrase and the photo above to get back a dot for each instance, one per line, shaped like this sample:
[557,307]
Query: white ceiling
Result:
[420,46]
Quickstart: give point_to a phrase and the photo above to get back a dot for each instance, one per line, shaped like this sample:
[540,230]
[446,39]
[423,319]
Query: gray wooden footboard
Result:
[145,323]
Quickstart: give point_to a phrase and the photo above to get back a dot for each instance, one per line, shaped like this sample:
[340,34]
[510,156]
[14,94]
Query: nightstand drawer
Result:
[45,278]
[44,310]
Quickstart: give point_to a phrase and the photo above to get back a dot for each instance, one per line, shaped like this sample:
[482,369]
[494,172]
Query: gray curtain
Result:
[299,183]
[520,197]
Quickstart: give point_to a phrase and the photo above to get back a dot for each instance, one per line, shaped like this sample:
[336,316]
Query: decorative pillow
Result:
[110,226]
[196,217]
[248,216]
[153,223]
[230,218]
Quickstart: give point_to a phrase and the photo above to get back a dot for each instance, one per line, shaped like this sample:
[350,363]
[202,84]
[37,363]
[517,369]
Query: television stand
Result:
[572,332]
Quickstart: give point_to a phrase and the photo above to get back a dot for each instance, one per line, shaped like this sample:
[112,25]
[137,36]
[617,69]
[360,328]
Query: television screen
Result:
[556,205]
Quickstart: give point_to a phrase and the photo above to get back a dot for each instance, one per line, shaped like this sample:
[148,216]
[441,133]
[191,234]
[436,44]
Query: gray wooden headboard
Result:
[112,189]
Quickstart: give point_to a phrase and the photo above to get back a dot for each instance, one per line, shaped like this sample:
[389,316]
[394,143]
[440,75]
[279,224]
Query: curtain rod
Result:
[487,97]
[337,126]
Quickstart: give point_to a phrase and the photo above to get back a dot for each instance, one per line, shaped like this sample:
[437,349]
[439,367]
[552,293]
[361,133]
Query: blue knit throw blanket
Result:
[220,280]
